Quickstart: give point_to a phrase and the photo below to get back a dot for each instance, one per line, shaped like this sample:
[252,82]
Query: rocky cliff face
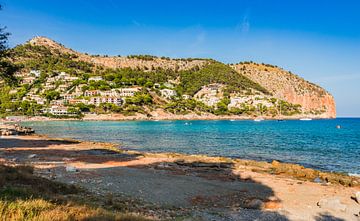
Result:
[291,88]
[122,62]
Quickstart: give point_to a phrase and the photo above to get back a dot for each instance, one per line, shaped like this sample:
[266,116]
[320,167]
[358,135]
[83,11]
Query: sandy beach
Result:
[190,187]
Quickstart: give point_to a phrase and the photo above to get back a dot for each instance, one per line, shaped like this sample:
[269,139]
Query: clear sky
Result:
[316,39]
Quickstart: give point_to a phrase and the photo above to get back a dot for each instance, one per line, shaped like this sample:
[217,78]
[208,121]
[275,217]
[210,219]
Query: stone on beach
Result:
[31,156]
[255,204]
[71,169]
[357,197]
[332,204]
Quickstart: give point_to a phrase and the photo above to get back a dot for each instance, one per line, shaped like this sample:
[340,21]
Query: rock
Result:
[317,180]
[255,204]
[332,204]
[357,197]
[32,156]
[71,169]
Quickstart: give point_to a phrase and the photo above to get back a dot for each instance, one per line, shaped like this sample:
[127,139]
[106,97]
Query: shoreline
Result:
[286,168]
[264,160]
[181,185]
[161,117]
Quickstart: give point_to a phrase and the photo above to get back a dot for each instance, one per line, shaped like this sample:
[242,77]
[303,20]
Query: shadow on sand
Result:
[212,188]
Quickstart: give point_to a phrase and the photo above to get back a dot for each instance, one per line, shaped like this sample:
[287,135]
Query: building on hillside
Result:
[57,110]
[167,93]
[212,101]
[186,97]
[77,101]
[128,92]
[62,76]
[168,85]
[50,80]
[157,85]
[36,73]
[100,100]
[34,97]
[67,96]
[49,86]
[57,102]
[28,80]
[62,88]
[111,93]
[91,93]
[95,78]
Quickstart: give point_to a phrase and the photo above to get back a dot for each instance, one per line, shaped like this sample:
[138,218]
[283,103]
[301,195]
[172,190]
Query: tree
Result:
[6,67]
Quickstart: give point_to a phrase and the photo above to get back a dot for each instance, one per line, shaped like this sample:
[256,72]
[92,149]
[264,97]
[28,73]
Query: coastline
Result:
[162,116]
[102,168]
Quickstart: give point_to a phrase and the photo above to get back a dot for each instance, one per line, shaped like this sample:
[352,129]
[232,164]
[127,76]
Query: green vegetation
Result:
[24,196]
[216,72]
[42,58]
[187,106]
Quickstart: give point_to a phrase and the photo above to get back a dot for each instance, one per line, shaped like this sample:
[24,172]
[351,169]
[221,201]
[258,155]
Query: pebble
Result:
[255,204]
[32,156]
[332,204]
[357,197]
[71,169]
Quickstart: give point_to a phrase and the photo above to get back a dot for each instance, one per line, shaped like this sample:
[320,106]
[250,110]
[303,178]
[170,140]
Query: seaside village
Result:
[70,94]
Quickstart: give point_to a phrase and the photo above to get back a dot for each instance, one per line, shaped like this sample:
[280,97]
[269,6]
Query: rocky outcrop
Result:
[284,85]
[122,62]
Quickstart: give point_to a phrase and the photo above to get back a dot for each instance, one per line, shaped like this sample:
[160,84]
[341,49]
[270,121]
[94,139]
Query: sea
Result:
[327,145]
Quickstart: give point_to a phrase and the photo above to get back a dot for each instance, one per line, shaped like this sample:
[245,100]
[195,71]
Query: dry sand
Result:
[194,191]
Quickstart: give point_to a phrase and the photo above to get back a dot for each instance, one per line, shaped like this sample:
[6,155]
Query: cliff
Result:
[290,87]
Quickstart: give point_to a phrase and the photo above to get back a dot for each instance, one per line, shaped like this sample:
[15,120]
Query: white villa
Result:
[91,93]
[57,110]
[167,93]
[99,100]
[28,80]
[186,97]
[128,92]
[36,73]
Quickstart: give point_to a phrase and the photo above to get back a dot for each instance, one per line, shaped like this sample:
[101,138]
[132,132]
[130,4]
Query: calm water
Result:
[317,144]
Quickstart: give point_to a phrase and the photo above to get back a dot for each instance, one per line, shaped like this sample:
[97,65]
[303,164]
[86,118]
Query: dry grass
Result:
[24,196]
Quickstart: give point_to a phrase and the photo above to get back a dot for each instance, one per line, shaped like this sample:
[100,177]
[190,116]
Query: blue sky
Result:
[318,40]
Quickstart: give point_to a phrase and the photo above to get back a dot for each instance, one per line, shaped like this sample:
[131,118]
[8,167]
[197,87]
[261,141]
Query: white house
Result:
[128,92]
[99,100]
[91,93]
[186,97]
[36,73]
[28,80]
[58,110]
[167,93]
[95,78]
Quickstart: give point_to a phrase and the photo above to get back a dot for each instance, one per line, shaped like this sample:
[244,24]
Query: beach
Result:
[193,187]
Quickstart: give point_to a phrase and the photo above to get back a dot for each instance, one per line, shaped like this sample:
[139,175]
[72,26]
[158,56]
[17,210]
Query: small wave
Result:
[354,174]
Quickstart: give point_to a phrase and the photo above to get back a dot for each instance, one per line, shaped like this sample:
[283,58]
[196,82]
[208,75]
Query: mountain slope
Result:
[143,62]
[287,86]
[198,86]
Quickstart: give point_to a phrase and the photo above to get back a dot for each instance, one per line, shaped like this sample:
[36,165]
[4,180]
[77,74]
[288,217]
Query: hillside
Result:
[59,82]
[287,86]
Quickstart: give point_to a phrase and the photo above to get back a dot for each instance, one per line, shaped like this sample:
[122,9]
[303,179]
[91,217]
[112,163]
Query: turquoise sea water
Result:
[317,143]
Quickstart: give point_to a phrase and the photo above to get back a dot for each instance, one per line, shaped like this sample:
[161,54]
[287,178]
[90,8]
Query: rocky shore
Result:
[188,187]
[8,130]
